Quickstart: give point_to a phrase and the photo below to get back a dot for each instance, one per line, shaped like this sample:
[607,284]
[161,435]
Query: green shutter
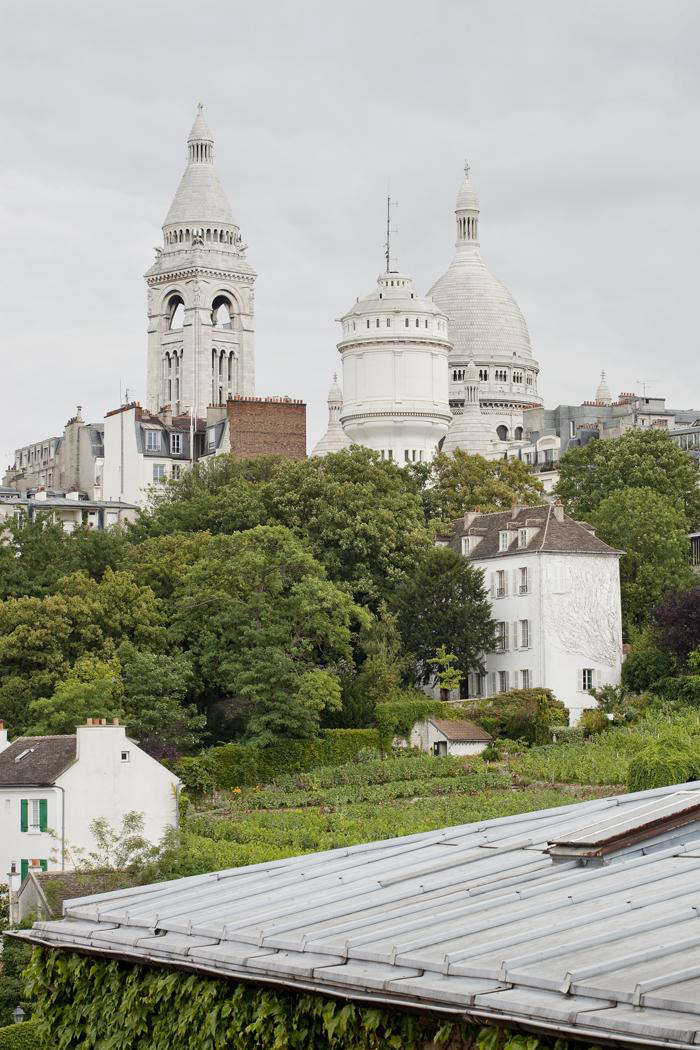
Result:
[44,865]
[24,815]
[43,814]
[24,868]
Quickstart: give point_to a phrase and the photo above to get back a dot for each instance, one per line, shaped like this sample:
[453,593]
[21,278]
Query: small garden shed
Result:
[446,736]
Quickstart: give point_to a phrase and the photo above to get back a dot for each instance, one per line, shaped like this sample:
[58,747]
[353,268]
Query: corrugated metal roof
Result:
[477,920]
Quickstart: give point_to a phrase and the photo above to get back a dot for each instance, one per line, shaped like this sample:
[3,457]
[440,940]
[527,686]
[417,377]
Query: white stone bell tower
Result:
[200,294]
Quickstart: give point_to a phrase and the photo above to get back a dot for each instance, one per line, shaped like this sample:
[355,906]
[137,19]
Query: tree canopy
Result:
[640,459]
[451,485]
[360,517]
[651,529]
[257,616]
[443,603]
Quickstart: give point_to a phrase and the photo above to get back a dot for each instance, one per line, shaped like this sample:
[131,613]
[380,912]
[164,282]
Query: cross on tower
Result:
[467,168]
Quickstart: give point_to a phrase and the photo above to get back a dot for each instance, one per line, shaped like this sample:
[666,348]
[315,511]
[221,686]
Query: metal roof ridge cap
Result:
[645,955]
[662,981]
[605,937]
[570,923]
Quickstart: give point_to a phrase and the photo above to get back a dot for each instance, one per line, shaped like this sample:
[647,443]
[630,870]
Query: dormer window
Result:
[466,545]
[522,537]
[153,440]
[503,541]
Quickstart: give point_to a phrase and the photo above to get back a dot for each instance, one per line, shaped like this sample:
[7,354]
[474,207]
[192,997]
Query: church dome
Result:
[470,431]
[485,321]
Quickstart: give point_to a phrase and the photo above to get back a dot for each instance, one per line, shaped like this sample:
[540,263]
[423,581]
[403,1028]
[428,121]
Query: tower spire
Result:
[200,141]
[387,244]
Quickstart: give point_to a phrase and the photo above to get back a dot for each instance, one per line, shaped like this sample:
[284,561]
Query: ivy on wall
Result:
[93,1004]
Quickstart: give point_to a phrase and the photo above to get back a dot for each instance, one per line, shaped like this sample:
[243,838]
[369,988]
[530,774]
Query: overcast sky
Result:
[581,122]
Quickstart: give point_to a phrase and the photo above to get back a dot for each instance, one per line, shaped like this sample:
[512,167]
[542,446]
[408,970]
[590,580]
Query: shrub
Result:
[233,765]
[663,762]
[521,713]
[685,690]
[492,752]
[594,721]
[196,775]
[645,663]
[23,1036]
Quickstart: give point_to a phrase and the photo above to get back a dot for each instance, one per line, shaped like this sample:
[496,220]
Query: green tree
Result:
[451,485]
[35,554]
[444,603]
[651,529]
[256,615]
[91,689]
[360,517]
[160,562]
[640,459]
[447,674]
[41,638]
[155,688]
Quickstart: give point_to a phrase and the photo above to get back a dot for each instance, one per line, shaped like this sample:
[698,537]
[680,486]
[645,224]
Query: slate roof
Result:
[464,731]
[47,758]
[549,534]
[478,921]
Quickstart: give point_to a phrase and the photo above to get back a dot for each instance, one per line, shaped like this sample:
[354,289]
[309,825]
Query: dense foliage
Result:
[520,714]
[451,485]
[640,459]
[605,758]
[443,602]
[652,531]
[98,1004]
[676,623]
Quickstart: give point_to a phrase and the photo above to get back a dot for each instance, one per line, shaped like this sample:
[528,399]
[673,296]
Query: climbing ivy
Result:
[97,1004]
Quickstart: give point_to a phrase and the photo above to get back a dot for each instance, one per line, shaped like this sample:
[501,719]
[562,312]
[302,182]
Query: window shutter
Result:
[24,815]
[44,865]
[515,581]
[43,814]
[506,632]
[507,676]
[515,635]
[493,584]
[23,869]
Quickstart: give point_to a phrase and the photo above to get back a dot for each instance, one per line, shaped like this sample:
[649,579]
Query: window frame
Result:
[153,442]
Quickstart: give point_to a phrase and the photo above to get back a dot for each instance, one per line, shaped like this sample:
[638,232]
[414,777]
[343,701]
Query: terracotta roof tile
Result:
[464,731]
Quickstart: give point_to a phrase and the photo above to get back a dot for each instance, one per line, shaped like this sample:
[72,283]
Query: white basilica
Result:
[450,370]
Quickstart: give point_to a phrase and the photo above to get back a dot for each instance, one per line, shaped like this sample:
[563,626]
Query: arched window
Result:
[502,432]
[222,312]
[518,434]
[175,312]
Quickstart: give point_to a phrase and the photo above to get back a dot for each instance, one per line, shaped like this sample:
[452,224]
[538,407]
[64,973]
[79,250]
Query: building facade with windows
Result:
[554,589]
[53,787]
[71,462]
[71,510]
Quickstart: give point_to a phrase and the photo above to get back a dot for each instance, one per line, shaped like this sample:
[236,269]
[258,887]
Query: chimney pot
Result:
[103,721]
[115,721]
[2,724]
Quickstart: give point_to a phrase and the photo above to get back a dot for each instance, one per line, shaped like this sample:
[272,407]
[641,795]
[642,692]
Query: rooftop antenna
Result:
[387,245]
[644,383]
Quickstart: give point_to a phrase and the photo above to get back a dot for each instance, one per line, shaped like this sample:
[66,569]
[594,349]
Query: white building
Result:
[200,294]
[555,596]
[53,787]
[486,327]
[335,437]
[445,736]
[71,509]
[394,351]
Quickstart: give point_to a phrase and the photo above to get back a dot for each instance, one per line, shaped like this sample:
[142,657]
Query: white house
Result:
[53,787]
[446,736]
[555,596]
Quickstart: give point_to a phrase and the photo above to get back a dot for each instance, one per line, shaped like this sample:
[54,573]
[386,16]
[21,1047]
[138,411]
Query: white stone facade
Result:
[106,776]
[201,299]
[554,589]
[394,350]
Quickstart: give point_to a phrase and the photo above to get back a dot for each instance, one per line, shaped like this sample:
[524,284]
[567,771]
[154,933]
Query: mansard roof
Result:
[549,528]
